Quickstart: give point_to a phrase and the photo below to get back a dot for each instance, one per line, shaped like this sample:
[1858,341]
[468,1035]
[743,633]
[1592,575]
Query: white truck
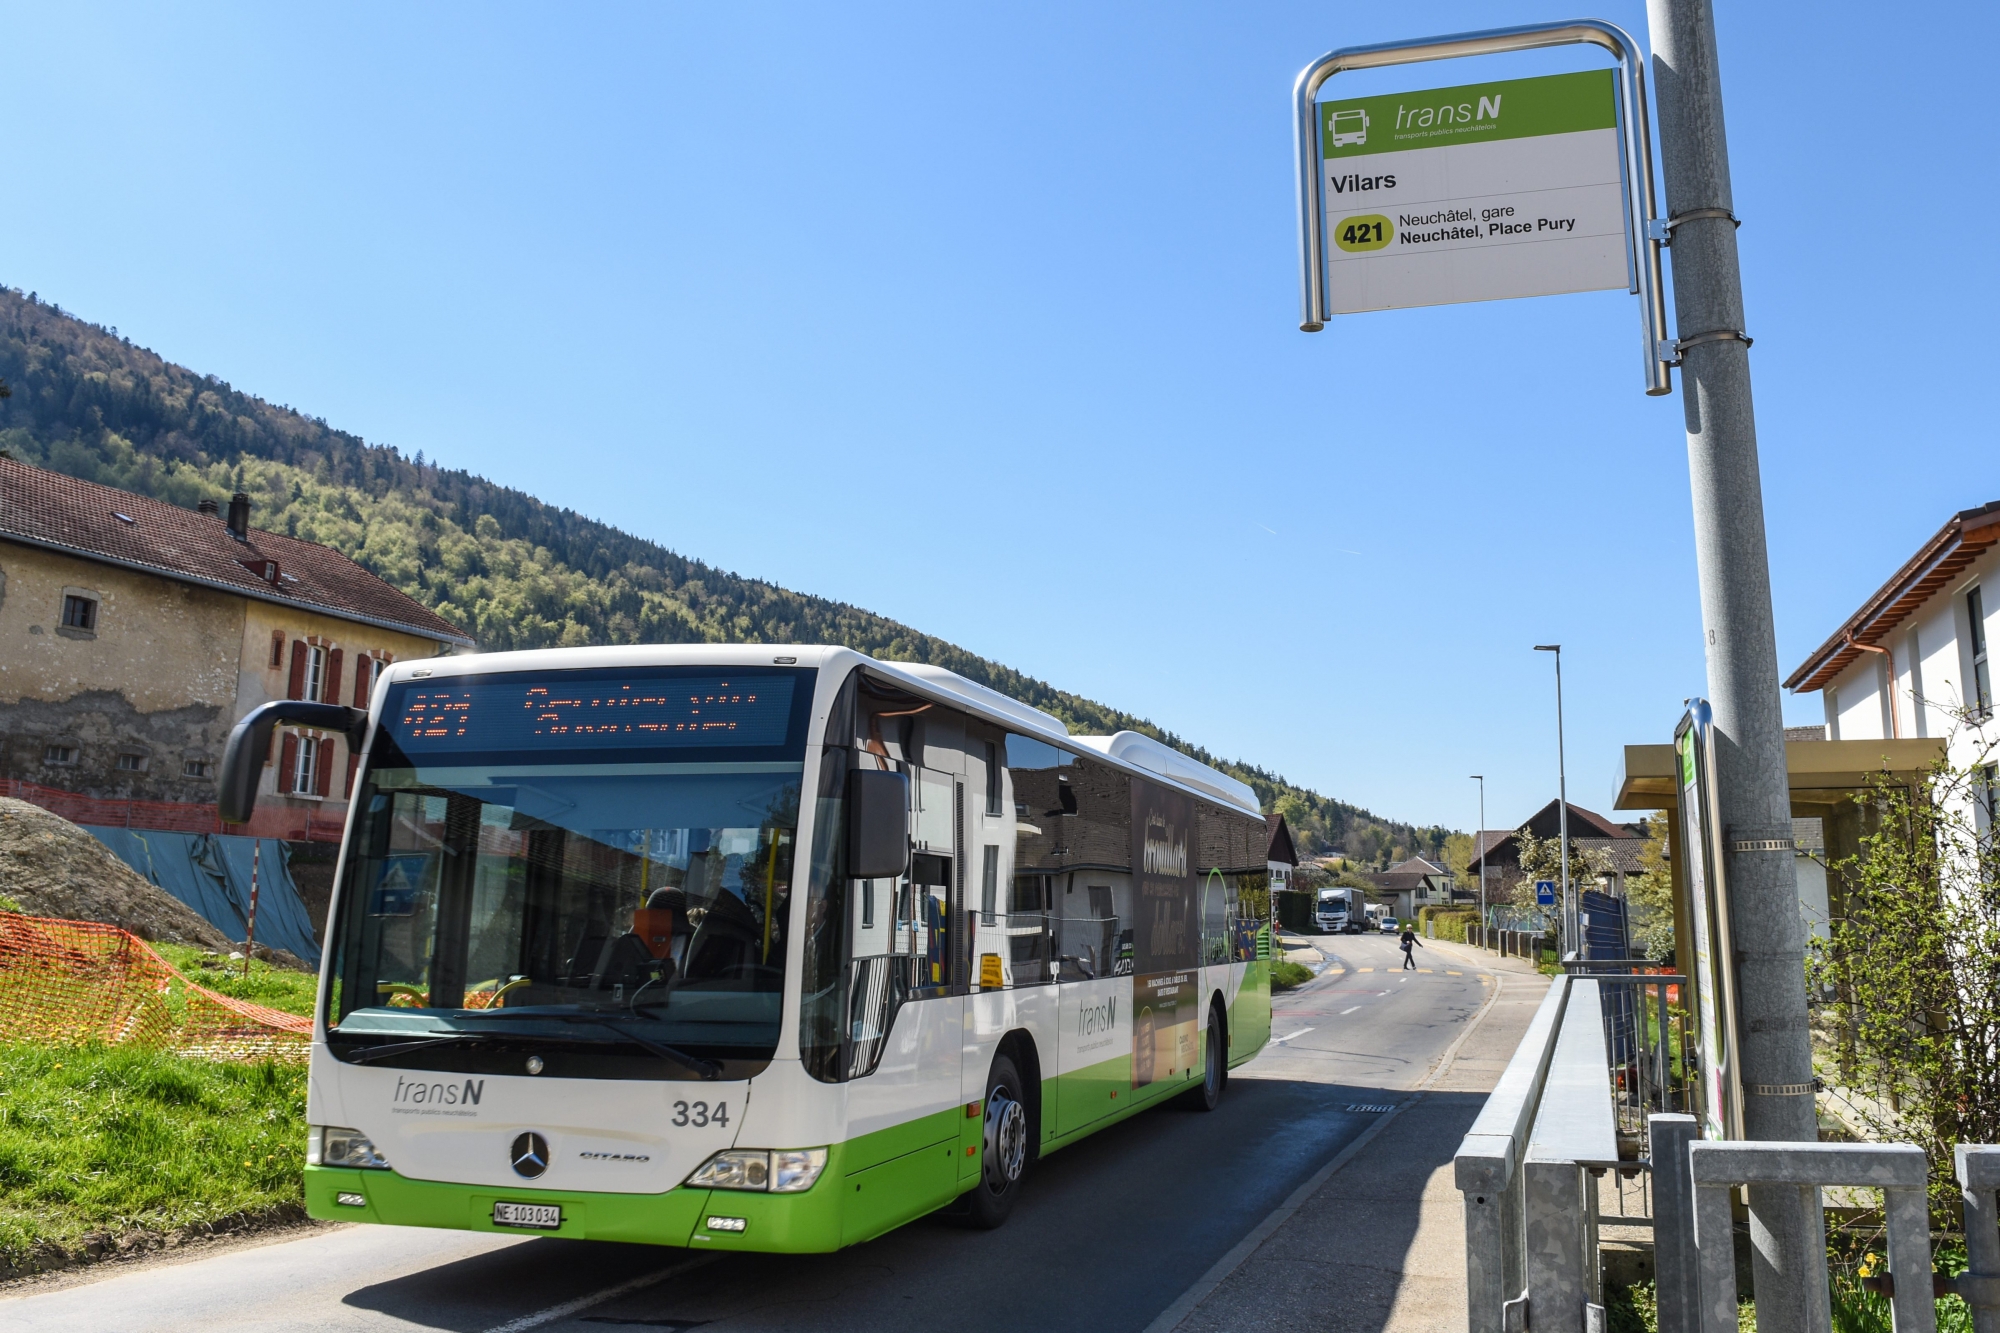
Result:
[1341,912]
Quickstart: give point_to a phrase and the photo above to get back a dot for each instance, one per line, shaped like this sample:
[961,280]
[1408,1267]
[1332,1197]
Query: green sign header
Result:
[1475,113]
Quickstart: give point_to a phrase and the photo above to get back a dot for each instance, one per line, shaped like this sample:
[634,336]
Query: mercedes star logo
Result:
[530,1155]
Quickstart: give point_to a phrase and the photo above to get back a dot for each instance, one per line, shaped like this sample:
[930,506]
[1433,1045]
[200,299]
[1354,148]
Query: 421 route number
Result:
[1363,233]
[700,1114]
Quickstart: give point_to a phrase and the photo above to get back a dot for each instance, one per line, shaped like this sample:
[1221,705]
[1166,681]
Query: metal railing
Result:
[1650,1037]
[1488,1169]
[1533,1172]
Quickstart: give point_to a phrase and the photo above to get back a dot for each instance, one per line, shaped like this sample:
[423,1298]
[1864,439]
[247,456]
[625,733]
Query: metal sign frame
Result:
[1643,236]
[1701,841]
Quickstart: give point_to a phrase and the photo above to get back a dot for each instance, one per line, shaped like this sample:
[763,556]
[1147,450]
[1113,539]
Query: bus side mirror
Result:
[250,741]
[878,824]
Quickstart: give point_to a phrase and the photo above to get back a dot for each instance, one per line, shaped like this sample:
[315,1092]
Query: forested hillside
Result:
[515,572]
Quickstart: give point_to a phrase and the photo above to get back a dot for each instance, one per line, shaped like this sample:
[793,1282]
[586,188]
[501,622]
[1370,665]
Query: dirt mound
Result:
[50,867]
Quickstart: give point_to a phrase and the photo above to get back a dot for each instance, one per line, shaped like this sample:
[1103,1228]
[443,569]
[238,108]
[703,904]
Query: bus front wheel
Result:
[1004,1152]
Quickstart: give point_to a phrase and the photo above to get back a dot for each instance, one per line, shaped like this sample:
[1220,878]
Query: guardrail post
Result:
[1715,1259]
[1913,1306]
[1557,1245]
[1675,1276]
[1978,1176]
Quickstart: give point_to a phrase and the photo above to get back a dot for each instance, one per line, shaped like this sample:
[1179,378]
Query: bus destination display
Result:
[567,713]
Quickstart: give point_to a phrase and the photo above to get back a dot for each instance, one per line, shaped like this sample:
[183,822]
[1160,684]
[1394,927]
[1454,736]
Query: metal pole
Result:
[1753,797]
[1479,842]
[1568,940]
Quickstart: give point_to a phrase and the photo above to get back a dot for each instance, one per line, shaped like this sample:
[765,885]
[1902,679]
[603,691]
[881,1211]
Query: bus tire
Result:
[1207,1094]
[1004,1153]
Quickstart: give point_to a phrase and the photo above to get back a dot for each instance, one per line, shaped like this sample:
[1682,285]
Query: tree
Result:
[1907,988]
[1541,858]
[1649,895]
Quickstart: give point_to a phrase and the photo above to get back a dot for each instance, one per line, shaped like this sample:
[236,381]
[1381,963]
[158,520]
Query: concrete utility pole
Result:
[1754,798]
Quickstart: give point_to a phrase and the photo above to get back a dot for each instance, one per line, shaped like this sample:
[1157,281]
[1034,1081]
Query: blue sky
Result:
[987,321]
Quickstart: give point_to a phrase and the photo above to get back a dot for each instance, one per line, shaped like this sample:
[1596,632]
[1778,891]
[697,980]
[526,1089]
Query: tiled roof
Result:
[1624,852]
[1962,540]
[48,509]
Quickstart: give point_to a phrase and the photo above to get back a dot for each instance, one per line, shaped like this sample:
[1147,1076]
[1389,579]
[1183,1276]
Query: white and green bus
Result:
[754,948]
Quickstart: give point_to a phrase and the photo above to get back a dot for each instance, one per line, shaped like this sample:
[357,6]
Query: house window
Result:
[132,763]
[315,673]
[305,773]
[59,754]
[79,613]
[194,768]
[1982,680]
[277,649]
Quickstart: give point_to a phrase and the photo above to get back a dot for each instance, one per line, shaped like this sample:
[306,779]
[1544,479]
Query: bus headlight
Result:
[794,1172]
[790,1171]
[331,1145]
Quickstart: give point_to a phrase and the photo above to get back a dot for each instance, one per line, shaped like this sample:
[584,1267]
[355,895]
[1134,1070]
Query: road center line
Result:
[1300,1033]
[1345,1012]
[567,1308]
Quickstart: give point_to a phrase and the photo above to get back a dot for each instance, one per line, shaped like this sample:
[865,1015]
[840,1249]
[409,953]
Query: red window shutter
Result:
[288,757]
[363,669]
[332,691]
[353,764]
[299,655]
[325,767]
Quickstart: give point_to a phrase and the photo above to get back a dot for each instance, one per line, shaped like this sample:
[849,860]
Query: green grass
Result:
[292,992]
[1289,976]
[111,1138]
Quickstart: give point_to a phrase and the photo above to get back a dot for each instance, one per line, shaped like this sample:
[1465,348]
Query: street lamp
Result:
[1479,845]
[1569,939]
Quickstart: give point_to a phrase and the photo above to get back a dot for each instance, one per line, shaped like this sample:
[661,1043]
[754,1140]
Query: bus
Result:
[753,948]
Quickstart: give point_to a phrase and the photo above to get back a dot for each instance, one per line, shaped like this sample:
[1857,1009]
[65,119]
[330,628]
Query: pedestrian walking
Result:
[1410,941]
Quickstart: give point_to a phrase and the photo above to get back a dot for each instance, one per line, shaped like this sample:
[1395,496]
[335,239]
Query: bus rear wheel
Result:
[1207,1094]
[1004,1153]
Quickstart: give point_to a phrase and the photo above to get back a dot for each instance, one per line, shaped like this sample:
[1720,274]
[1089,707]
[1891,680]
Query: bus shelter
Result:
[1825,777]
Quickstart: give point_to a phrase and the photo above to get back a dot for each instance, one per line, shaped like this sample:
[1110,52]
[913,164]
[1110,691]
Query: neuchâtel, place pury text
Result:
[1459,224]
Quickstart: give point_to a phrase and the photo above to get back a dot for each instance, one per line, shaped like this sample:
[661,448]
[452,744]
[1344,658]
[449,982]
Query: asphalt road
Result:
[1109,1234]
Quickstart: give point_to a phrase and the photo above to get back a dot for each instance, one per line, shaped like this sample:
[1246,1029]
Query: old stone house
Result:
[134,633]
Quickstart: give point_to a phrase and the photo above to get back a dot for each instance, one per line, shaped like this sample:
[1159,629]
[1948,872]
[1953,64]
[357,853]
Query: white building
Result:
[1913,658]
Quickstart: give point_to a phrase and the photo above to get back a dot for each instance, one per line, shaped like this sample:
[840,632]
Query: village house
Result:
[135,633]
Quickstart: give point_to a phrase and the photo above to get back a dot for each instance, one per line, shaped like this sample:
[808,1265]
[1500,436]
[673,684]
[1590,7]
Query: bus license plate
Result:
[542,1216]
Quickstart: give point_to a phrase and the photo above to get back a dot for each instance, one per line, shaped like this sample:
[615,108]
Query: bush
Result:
[1445,923]
[1289,976]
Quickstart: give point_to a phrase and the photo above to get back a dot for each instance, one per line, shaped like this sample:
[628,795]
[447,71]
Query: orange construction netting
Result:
[77,981]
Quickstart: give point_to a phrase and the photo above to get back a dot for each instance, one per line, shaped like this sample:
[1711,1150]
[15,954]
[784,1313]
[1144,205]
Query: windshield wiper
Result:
[400,1047]
[707,1069]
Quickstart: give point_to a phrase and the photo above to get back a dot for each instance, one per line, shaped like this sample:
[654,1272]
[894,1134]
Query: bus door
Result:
[908,1111]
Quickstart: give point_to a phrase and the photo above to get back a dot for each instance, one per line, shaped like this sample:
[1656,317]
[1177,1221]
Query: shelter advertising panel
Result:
[1709,922]
[1166,989]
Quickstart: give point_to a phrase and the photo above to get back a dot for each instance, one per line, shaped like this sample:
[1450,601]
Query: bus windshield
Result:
[591,868]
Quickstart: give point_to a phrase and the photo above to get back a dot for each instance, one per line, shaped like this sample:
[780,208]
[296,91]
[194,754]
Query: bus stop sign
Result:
[1476,193]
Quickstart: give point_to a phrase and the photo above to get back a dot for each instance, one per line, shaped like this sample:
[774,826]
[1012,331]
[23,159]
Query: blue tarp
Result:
[210,872]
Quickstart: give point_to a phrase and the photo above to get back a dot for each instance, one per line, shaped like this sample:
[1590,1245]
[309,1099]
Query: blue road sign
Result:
[1545,893]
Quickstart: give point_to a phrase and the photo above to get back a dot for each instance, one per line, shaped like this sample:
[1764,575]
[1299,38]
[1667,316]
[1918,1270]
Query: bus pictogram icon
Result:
[1346,128]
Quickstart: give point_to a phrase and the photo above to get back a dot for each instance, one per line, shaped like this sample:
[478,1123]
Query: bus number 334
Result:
[700,1114]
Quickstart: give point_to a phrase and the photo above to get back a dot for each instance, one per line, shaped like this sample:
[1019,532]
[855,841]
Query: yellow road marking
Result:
[1424,970]
[1450,973]
[1365,969]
